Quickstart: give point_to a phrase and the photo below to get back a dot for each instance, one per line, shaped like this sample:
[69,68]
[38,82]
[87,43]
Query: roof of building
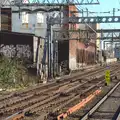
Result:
[18,33]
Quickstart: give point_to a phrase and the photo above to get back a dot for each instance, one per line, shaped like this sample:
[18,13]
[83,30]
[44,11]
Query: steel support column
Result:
[49,46]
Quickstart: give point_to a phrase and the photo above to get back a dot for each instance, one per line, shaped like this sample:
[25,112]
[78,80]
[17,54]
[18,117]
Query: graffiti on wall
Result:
[19,51]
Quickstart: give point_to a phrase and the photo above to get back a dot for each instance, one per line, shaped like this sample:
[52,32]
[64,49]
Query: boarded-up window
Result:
[5,19]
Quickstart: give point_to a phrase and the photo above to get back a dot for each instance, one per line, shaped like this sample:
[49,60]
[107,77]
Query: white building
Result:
[31,20]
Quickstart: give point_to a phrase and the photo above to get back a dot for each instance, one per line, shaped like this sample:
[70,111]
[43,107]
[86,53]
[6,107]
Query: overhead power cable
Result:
[91,27]
[104,12]
[119,1]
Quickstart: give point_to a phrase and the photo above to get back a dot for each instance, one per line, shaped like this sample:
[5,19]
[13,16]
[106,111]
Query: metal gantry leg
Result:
[49,46]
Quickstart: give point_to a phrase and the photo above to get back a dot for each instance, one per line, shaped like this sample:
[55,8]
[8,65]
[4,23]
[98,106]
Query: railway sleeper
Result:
[14,102]
[34,103]
[79,86]
[30,103]
[32,89]
[28,113]
[85,91]
[63,94]
[73,88]
[50,105]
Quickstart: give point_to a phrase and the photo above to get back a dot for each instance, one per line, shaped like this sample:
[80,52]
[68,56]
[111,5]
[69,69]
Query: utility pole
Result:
[82,13]
[53,41]
[87,12]
[49,45]
[50,55]
[113,11]
[37,57]
[0,17]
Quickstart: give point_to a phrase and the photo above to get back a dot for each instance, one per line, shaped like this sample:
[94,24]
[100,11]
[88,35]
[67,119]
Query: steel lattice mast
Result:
[47,2]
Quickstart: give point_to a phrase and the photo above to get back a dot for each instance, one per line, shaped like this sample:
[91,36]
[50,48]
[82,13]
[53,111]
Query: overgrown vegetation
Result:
[13,73]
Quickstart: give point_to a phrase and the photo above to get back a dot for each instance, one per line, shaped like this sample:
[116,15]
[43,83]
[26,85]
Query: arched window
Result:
[40,18]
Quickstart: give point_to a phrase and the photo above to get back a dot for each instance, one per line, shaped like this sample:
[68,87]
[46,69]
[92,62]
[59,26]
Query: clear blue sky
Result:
[105,6]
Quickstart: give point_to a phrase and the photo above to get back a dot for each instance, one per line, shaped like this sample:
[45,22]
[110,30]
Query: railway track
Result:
[14,98]
[31,90]
[106,107]
[89,88]
[41,87]
[46,97]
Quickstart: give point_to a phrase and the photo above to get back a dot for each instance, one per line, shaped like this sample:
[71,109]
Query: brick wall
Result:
[86,54]
[73,46]
[77,50]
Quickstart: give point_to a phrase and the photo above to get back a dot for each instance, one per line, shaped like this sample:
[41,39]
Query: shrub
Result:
[12,73]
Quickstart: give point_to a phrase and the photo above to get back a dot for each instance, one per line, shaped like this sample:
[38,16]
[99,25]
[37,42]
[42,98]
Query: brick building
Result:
[75,52]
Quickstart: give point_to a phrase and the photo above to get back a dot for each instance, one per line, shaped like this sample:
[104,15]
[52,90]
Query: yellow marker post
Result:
[107,76]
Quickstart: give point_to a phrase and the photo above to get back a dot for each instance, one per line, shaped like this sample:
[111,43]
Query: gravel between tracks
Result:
[107,110]
[35,91]
[41,118]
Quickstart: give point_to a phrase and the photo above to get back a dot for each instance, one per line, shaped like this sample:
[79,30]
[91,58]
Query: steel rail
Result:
[91,111]
[118,118]
[48,84]
[33,107]
[46,90]
[76,97]
[65,81]
[117,114]
[60,106]
[39,103]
